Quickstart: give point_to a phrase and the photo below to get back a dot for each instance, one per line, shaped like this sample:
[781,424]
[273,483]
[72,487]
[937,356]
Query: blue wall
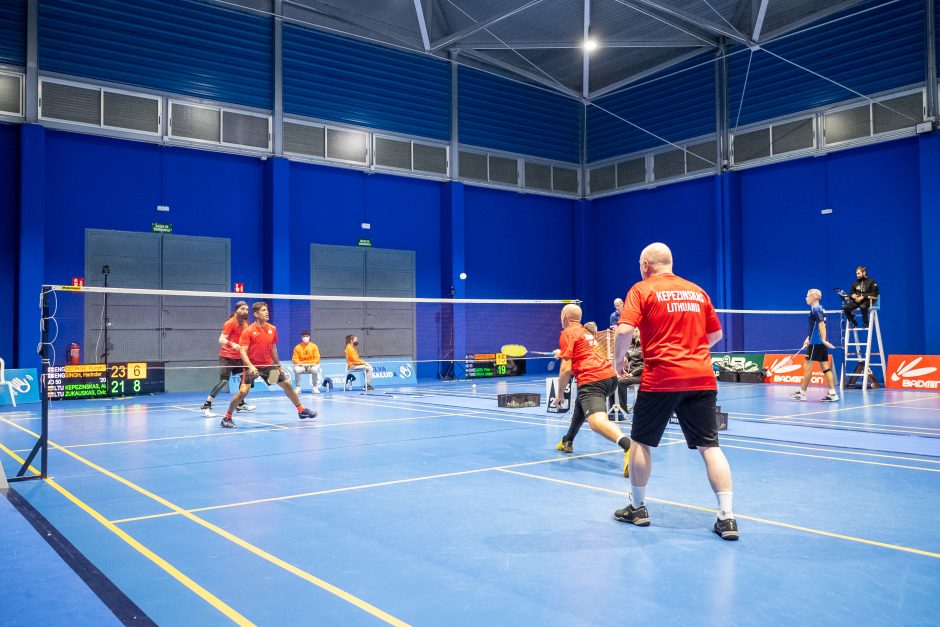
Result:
[9,235]
[682,215]
[13,32]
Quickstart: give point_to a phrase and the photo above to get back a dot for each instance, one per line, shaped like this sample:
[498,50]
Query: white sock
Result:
[724,505]
[637,495]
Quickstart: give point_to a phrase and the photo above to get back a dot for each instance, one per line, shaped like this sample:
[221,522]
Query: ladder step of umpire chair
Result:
[857,349]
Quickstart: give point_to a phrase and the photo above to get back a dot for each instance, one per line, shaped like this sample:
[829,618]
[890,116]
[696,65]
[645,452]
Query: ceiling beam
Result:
[682,21]
[633,78]
[559,45]
[532,76]
[356,20]
[586,72]
[444,42]
[423,26]
[809,19]
[758,21]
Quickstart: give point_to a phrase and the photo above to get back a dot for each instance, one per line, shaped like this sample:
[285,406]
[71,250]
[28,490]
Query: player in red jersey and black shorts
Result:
[679,326]
[596,379]
[230,356]
[258,348]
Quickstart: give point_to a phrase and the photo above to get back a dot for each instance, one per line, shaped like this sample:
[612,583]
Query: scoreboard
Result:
[486,365]
[105,380]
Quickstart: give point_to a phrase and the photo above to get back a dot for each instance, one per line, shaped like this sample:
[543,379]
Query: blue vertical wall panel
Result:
[9,236]
[874,51]
[501,114]
[13,32]
[677,103]
[344,80]
[179,46]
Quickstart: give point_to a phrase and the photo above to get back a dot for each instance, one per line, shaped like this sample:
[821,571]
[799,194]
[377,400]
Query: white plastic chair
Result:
[3,381]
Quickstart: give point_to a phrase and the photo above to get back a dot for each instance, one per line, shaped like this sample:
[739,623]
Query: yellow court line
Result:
[776,523]
[838,459]
[174,572]
[320,583]
[724,438]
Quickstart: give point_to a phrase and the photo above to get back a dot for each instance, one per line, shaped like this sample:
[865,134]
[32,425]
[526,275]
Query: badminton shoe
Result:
[638,516]
[798,396]
[315,390]
[306,414]
[228,423]
[831,397]
[565,447]
[207,410]
[243,406]
[369,388]
[626,463]
[727,529]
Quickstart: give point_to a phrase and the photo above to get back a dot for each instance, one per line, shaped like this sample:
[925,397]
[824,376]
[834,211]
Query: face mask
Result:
[356,343]
[305,339]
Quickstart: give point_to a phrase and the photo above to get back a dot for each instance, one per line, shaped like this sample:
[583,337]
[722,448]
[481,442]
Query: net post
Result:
[43,382]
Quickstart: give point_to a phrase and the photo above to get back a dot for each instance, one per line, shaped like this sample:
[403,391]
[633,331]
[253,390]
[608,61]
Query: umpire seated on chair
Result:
[862,294]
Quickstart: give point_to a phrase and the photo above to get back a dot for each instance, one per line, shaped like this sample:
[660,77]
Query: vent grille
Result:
[565,179]
[472,166]
[303,139]
[793,136]
[631,172]
[538,176]
[392,153]
[668,164]
[603,178]
[701,157]
[504,170]
[347,145]
[243,129]
[904,112]
[70,103]
[133,113]
[192,122]
[11,94]
[751,145]
[431,159]
[848,124]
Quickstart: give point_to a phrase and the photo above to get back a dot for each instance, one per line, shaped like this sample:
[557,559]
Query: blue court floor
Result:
[431,506]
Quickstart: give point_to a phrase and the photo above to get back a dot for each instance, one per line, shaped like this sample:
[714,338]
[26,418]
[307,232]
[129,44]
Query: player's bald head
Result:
[570,313]
[655,258]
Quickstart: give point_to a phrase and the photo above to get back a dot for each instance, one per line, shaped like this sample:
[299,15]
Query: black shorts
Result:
[592,397]
[229,367]
[248,378]
[817,352]
[695,410]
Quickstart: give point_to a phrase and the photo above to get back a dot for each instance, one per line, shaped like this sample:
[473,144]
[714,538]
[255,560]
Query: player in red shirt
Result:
[596,382]
[679,326]
[230,357]
[258,349]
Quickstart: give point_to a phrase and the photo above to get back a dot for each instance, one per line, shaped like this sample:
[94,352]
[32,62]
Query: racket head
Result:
[273,375]
[514,350]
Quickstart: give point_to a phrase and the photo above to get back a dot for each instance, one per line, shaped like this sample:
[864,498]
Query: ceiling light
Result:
[590,44]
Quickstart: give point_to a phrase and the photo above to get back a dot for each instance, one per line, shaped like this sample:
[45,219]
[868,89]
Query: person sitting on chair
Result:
[354,362]
[306,360]
[860,296]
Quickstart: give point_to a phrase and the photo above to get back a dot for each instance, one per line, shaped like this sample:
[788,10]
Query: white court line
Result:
[823,449]
[845,425]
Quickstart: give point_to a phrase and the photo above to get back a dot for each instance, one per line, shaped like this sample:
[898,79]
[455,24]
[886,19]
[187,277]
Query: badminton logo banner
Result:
[914,372]
[788,370]
[739,362]
[24,385]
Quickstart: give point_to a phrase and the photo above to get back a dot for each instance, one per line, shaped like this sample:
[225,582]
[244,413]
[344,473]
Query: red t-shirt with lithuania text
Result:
[674,316]
[577,344]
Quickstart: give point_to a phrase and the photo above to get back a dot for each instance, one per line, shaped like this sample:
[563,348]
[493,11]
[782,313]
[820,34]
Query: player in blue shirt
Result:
[817,349]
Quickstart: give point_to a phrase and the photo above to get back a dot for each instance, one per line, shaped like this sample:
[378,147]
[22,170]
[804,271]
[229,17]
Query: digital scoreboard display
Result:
[105,380]
[486,365]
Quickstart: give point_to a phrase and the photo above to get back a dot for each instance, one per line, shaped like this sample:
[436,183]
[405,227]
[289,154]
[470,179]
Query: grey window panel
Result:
[904,112]
[10,97]
[701,157]
[245,130]
[430,158]
[305,140]
[565,179]
[131,112]
[631,172]
[792,136]
[538,176]
[603,178]
[848,124]
[504,170]
[751,145]
[347,145]
[392,153]
[473,166]
[71,103]
[195,122]
[668,164]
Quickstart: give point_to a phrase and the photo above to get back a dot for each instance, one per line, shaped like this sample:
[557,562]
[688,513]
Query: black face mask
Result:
[355,343]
